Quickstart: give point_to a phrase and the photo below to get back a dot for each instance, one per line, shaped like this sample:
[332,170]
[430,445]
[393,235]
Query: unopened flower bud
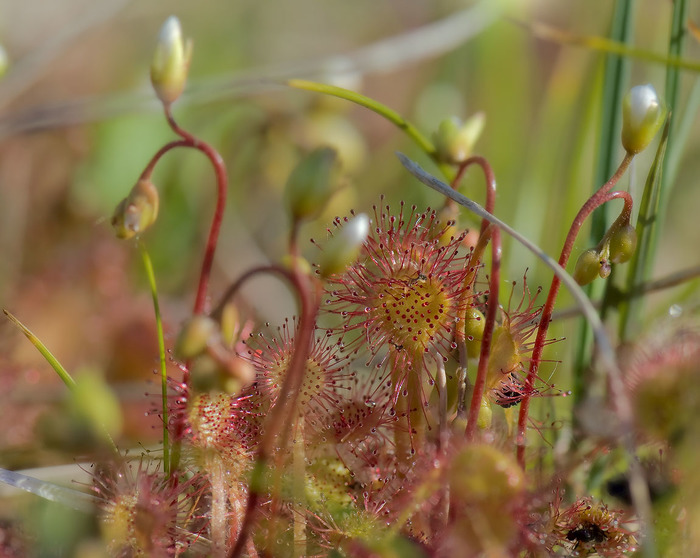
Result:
[4,61]
[343,249]
[310,185]
[623,243]
[137,211]
[455,140]
[485,414]
[198,333]
[642,116]
[474,331]
[171,62]
[588,267]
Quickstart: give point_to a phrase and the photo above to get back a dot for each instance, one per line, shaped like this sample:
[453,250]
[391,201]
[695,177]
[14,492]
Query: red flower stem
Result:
[625,214]
[595,201]
[460,333]
[492,308]
[281,414]
[490,183]
[188,140]
[146,174]
[222,186]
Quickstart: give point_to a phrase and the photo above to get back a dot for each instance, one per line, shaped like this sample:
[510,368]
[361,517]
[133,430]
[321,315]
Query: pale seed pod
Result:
[588,267]
[623,243]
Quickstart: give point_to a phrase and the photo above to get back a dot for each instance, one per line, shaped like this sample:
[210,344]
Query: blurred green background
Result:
[78,123]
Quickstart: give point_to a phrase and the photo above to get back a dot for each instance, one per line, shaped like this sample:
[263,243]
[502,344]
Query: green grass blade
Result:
[610,46]
[391,115]
[52,360]
[647,232]
[57,366]
[615,76]
[614,83]
[150,275]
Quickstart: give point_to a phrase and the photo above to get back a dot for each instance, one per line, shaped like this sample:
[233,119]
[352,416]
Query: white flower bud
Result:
[642,116]
[171,61]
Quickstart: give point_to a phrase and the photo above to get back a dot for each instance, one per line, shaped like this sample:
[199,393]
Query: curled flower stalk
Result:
[597,199]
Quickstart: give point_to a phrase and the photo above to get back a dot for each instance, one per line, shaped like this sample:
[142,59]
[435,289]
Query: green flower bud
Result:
[642,116]
[289,261]
[474,331]
[622,244]
[220,371]
[455,140]
[342,250]
[4,61]
[588,267]
[171,62]
[137,211]
[198,333]
[485,414]
[310,185]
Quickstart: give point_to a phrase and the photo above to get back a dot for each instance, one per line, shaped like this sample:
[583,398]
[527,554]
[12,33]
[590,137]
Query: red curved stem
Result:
[460,334]
[490,183]
[162,151]
[482,371]
[222,187]
[595,201]
[281,414]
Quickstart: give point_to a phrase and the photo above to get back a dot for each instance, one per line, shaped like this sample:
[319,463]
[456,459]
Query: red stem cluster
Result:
[600,197]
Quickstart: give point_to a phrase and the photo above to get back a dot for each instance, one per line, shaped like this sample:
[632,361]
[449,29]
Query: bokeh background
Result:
[78,123]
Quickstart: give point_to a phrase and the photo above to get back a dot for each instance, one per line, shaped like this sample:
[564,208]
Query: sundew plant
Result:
[404,368]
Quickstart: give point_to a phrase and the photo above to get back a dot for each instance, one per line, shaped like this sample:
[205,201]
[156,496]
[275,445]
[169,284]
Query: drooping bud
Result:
[642,116]
[171,62]
[455,140]
[137,211]
[310,185]
[623,243]
[588,267]
[342,250]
